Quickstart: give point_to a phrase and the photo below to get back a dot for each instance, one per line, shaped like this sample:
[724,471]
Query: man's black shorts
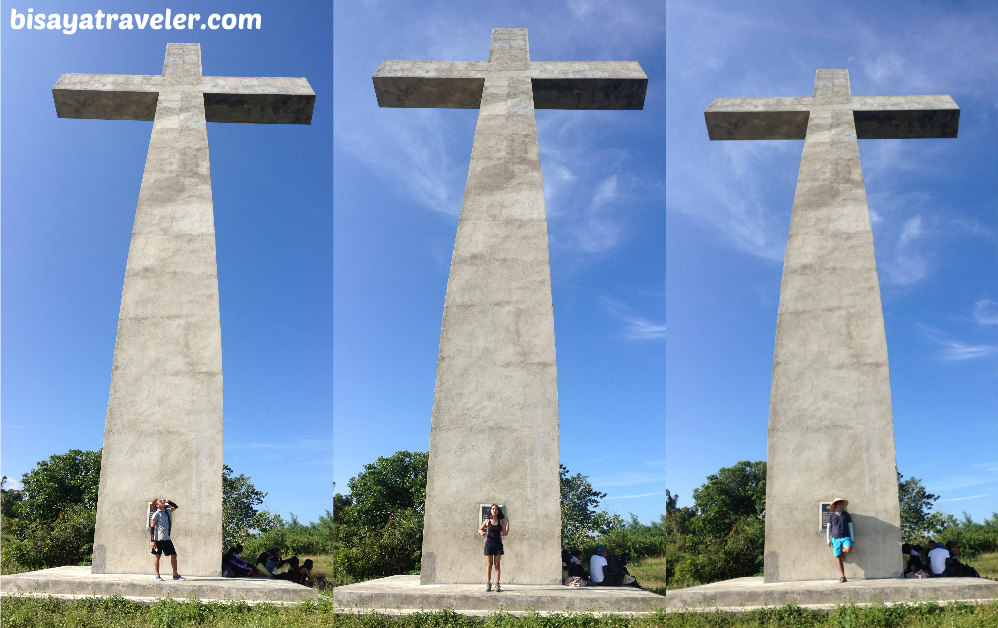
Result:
[164,547]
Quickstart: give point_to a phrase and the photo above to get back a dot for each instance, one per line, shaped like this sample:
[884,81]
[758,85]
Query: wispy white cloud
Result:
[909,264]
[977,474]
[629,478]
[416,153]
[742,198]
[589,189]
[598,228]
[11,483]
[986,312]
[953,350]
[967,498]
[309,451]
[611,497]
[916,56]
[635,326]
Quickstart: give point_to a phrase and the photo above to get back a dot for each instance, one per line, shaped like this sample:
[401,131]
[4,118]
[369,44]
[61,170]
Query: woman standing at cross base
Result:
[493,528]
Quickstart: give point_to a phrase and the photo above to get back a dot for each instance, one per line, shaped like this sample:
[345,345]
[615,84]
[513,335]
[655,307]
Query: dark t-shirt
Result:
[493,534]
[838,524]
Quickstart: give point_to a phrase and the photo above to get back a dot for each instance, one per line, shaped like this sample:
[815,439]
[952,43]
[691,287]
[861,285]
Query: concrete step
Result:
[743,593]
[405,594]
[79,582]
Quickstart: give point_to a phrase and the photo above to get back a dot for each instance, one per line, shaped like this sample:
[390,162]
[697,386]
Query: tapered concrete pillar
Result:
[494,432]
[163,431]
[831,432]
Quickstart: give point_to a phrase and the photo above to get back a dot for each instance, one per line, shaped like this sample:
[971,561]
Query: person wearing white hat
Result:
[839,532]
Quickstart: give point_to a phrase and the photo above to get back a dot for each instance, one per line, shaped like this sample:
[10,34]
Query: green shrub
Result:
[67,541]
[393,549]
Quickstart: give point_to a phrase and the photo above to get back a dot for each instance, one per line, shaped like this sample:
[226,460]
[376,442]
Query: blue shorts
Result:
[839,543]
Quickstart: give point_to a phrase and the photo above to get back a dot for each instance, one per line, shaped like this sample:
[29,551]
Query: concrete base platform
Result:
[75,582]
[404,594]
[748,593]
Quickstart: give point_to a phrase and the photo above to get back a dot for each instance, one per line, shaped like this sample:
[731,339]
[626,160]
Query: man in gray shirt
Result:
[159,535]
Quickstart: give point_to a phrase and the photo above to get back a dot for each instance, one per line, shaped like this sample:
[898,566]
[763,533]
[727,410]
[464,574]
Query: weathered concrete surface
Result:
[80,582]
[555,84]
[875,117]
[406,594]
[831,432]
[494,433]
[163,432]
[277,100]
[749,593]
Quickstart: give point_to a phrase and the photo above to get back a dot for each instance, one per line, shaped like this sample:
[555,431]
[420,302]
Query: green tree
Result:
[240,516]
[677,520]
[729,496]
[62,482]
[340,504]
[9,498]
[726,527]
[581,522]
[916,502]
[385,487]
[51,521]
[382,529]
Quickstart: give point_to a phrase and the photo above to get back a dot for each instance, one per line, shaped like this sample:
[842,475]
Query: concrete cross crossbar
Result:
[163,432]
[831,432]
[494,432]
[875,117]
[555,84]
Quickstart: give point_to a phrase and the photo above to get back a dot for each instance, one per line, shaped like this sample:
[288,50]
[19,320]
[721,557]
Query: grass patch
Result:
[902,616]
[985,564]
[650,573]
[115,612]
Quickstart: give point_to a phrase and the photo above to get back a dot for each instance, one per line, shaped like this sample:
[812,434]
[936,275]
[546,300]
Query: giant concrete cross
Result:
[494,432]
[163,432]
[831,432]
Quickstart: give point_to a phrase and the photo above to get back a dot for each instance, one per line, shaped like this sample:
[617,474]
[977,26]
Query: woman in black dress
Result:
[493,528]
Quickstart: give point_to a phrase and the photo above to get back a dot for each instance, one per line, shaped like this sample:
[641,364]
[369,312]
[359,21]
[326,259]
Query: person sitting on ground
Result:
[912,561]
[937,559]
[955,568]
[597,565]
[284,569]
[304,576]
[615,573]
[924,552]
[626,579]
[261,563]
[309,579]
[575,568]
[233,564]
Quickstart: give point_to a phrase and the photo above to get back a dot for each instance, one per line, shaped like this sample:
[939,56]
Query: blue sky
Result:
[400,176]
[334,240]
[69,191]
[933,207]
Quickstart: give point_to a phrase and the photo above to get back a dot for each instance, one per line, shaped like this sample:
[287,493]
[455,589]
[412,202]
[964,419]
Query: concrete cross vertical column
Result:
[494,432]
[831,432]
[163,431]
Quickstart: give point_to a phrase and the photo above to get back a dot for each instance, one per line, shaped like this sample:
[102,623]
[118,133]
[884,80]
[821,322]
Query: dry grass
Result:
[985,564]
[650,573]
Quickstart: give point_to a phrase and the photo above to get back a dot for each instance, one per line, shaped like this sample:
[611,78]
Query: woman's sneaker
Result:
[488,587]
[498,588]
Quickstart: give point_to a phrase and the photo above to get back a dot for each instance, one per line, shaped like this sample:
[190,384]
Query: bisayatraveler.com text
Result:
[71,23]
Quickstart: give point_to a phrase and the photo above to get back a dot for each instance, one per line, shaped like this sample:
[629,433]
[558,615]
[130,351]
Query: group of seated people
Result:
[270,564]
[605,570]
[940,560]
